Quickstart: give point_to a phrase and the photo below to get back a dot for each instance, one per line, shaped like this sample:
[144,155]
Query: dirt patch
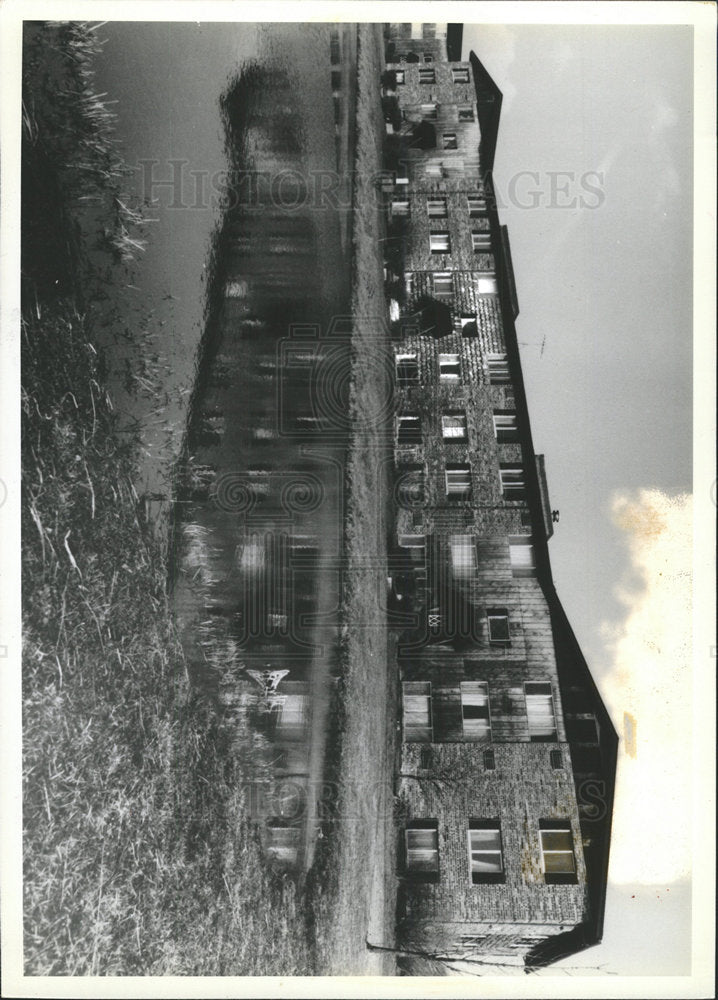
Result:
[360,858]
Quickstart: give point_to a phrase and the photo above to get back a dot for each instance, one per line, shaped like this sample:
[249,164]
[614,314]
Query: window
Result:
[410,487]
[487,285]
[489,760]
[276,620]
[399,73]
[428,112]
[460,74]
[463,556]
[400,206]
[450,140]
[416,704]
[407,369]
[292,716]
[443,283]
[436,208]
[453,425]
[283,843]
[417,29]
[513,481]
[527,941]
[498,619]
[477,207]
[439,242]
[475,711]
[485,853]
[421,840]
[505,426]
[303,547]
[556,758]
[433,169]
[497,366]
[458,480]
[480,241]
[307,423]
[466,114]
[412,541]
[433,619]
[449,367]
[469,326]
[258,482]
[453,167]
[540,711]
[427,76]
[522,555]
[583,730]
[428,58]
[559,862]
[409,430]
[425,758]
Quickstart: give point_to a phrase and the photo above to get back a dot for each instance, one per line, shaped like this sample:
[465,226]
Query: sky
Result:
[594,173]
[606,291]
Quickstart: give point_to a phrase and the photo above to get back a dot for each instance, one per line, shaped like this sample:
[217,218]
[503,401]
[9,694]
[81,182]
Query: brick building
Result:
[508,756]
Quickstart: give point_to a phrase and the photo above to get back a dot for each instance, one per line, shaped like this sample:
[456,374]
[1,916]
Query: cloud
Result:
[649,690]
[664,115]
[563,56]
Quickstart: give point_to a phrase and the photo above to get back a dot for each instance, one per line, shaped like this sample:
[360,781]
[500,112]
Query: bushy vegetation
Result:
[137,855]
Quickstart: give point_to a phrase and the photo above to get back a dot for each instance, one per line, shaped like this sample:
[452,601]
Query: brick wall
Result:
[448,167]
[445,780]
[522,790]
[444,90]
[462,257]
[471,394]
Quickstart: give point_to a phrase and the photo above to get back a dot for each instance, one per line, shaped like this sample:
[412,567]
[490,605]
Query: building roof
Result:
[454,39]
[488,102]
[571,664]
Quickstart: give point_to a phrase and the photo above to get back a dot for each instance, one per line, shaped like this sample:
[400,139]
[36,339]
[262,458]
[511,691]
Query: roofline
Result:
[454,41]
[593,930]
[489,123]
[609,758]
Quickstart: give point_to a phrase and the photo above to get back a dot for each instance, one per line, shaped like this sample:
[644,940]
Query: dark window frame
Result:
[548,826]
[486,878]
[421,875]
[498,615]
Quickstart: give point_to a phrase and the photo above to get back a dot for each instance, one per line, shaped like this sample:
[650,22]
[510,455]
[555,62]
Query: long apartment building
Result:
[508,756]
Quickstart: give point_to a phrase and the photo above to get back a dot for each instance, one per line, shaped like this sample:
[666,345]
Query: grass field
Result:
[138,859]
